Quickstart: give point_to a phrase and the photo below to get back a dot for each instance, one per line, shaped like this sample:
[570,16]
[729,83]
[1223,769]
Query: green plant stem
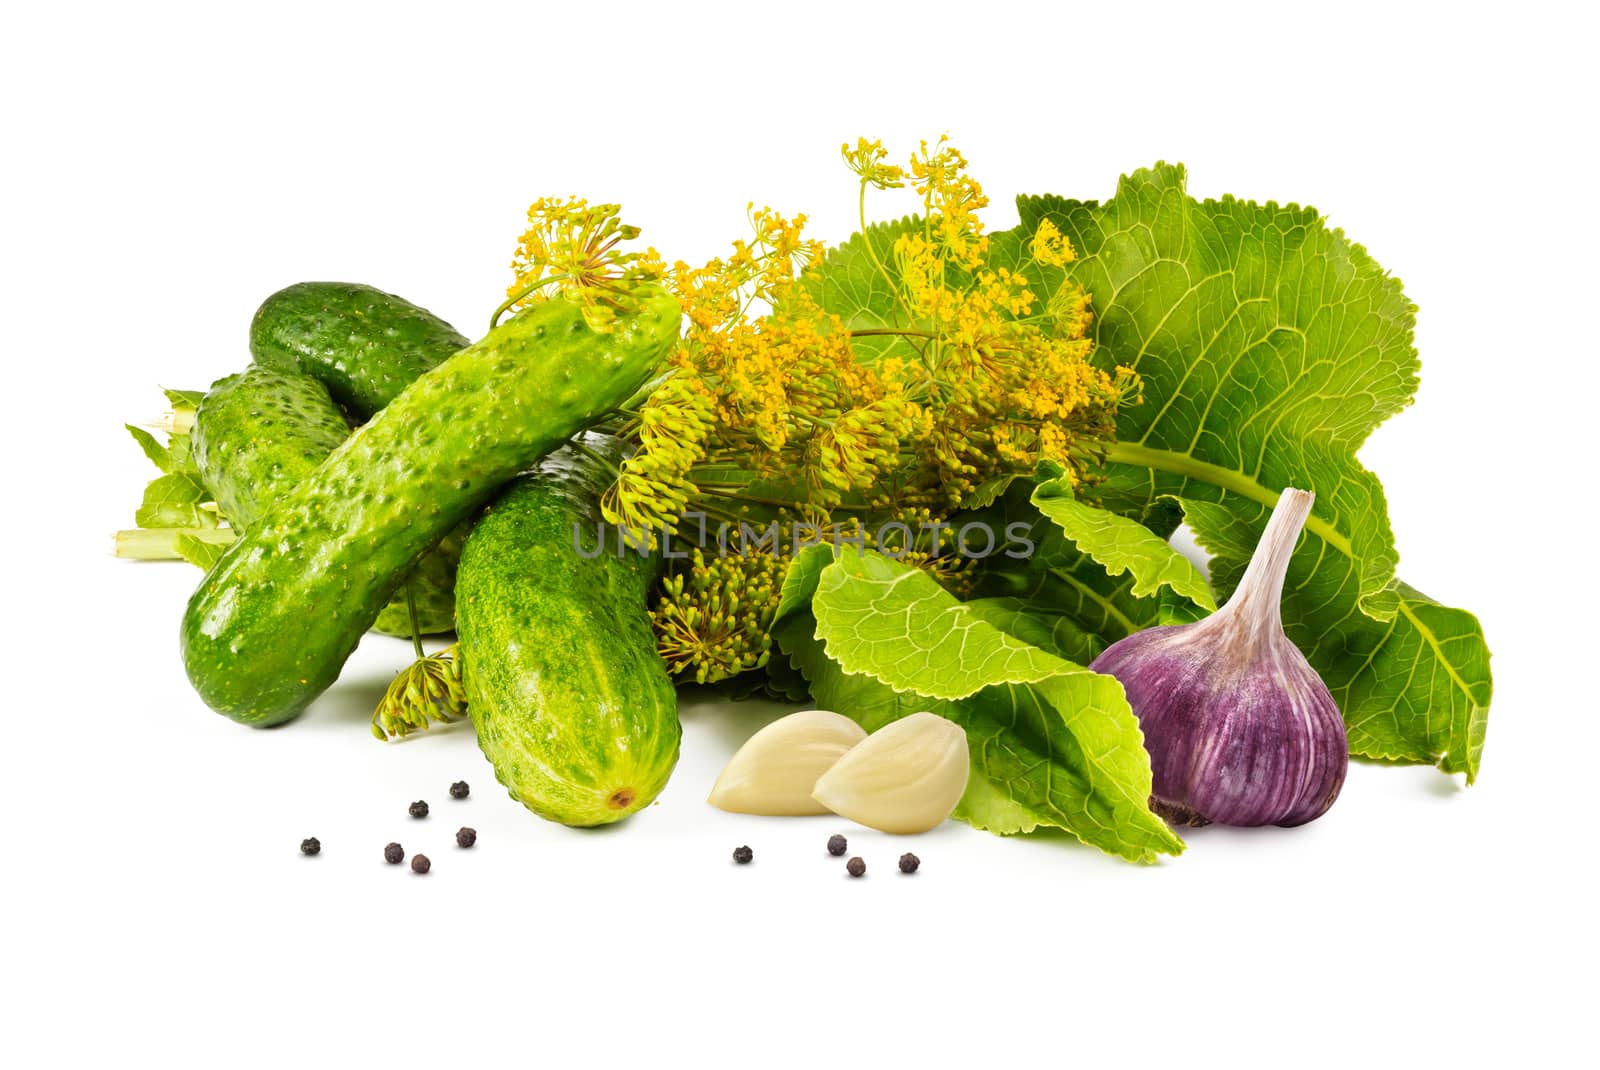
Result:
[904,333]
[1139,455]
[161,544]
[1182,464]
[416,629]
[866,238]
[1122,619]
[595,457]
[781,503]
[494,320]
[176,422]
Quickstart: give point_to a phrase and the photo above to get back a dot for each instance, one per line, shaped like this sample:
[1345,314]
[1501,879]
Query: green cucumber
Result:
[261,432]
[572,704]
[258,433]
[365,345]
[275,619]
[432,582]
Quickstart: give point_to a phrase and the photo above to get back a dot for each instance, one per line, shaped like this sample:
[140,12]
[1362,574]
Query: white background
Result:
[166,168]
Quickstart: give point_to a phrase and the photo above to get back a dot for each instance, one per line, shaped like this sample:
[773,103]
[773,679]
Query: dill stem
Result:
[593,456]
[494,320]
[416,629]
[907,332]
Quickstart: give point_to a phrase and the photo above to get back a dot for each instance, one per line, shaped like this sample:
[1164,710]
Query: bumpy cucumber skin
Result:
[433,588]
[261,432]
[275,619]
[258,433]
[364,344]
[572,704]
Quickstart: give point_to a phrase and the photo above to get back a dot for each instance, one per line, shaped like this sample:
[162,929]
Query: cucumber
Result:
[261,432]
[365,345]
[572,704]
[433,588]
[257,433]
[274,620]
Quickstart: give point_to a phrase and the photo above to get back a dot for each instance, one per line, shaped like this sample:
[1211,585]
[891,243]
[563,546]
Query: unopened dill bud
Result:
[713,621]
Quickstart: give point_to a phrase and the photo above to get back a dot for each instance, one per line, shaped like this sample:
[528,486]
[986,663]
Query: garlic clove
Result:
[775,770]
[906,777]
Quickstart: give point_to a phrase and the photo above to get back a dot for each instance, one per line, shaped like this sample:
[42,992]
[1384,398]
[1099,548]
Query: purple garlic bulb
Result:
[1240,728]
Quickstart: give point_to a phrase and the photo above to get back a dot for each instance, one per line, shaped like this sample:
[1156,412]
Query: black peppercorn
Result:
[466,837]
[310,846]
[837,845]
[855,867]
[420,864]
[909,863]
[394,854]
[419,809]
[459,790]
[743,855]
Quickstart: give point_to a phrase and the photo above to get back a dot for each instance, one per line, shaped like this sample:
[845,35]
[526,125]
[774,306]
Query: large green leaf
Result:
[1039,625]
[174,501]
[1060,592]
[853,282]
[896,623]
[157,454]
[1040,756]
[1414,688]
[1270,346]
[202,547]
[1062,750]
[184,401]
[177,500]
[1122,545]
[800,580]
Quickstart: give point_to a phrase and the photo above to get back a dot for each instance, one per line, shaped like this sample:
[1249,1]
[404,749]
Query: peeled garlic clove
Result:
[1240,728]
[905,777]
[775,770]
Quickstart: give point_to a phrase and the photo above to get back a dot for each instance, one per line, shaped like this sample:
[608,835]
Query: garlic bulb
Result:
[1240,728]
[775,770]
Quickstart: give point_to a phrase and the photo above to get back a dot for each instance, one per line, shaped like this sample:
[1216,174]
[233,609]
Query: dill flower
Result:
[853,453]
[1068,311]
[575,247]
[951,200]
[429,690]
[919,538]
[1003,383]
[653,486]
[1050,247]
[713,620]
[768,409]
[782,397]
[868,160]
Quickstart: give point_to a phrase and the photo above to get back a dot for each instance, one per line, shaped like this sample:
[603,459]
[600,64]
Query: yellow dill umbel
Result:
[713,620]
[576,248]
[972,365]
